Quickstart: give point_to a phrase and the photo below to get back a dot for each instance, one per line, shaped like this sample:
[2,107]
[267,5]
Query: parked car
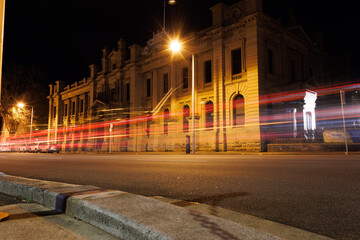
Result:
[34,147]
[48,148]
[24,148]
[5,148]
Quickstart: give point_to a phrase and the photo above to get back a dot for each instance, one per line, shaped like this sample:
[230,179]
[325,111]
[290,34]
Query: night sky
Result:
[63,37]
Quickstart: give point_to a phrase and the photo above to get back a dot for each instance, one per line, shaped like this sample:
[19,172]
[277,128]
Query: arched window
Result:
[209,115]
[166,118]
[238,110]
[186,114]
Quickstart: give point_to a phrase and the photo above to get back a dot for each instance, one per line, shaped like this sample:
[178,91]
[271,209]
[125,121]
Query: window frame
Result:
[186,123]
[185,78]
[235,66]
[234,111]
[207,73]
[209,115]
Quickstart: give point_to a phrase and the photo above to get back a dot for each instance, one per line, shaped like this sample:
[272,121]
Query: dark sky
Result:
[63,37]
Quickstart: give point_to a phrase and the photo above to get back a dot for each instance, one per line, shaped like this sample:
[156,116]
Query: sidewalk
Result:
[34,222]
[130,216]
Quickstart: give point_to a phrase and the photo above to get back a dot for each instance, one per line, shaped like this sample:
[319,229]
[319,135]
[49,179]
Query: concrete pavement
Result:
[130,216]
[35,222]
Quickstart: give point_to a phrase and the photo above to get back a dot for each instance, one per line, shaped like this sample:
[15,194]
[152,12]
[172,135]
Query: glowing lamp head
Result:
[21,105]
[172,2]
[175,45]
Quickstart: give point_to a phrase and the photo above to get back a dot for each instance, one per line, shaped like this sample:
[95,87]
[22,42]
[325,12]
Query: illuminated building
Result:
[243,55]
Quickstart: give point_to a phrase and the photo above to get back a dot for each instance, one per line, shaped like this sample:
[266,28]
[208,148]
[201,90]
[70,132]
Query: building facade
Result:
[143,103]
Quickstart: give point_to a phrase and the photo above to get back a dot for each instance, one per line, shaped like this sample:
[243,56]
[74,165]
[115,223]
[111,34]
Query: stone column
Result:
[219,94]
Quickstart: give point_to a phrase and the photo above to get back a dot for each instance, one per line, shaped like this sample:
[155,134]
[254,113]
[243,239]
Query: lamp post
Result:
[175,46]
[170,2]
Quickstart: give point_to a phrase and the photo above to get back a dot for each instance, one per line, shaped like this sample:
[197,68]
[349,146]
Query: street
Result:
[317,193]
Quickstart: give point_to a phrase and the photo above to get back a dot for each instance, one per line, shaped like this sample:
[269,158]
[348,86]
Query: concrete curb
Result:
[126,215]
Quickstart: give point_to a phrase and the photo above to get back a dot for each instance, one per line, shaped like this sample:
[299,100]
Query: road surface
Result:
[318,193]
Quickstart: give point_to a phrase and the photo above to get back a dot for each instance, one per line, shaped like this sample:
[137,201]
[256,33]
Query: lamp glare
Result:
[20,105]
[175,46]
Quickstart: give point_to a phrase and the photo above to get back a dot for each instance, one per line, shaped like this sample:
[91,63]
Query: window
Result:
[238,110]
[270,56]
[292,70]
[81,105]
[114,66]
[73,108]
[236,61]
[86,102]
[166,119]
[65,110]
[207,71]
[209,115]
[186,114]
[166,83]
[148,87]
[185,74]
[127,88]
[54,111]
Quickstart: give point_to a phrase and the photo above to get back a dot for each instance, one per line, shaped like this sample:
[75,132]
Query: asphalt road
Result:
[318,193]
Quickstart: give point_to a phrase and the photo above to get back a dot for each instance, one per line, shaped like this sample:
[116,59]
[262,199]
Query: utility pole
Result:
[2,20]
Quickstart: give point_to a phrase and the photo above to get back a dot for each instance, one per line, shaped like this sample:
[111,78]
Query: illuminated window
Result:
[81,106]
[209,115]
[166,118]
[236,61]
[185,78]
[166,83]
[73,108]
[186,114]
[238,110]
[207,72]
[65,110]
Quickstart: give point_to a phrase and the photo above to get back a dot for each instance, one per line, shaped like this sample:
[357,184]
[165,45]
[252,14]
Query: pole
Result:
[164,16]
[193,98]
[2,19]
[110,131]
[31,121]
[342,93]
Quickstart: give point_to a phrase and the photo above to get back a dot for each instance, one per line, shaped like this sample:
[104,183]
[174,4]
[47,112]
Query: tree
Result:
[27,85]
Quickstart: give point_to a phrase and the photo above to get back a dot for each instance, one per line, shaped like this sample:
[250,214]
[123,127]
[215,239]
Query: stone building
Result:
[144,103]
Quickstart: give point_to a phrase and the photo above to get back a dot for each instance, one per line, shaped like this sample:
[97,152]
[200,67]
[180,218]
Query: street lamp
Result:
[175,46]
[170,2]
[22,105]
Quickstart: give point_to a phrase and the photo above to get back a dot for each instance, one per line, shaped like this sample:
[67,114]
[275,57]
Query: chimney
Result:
[135,52]
[104,60]
[217,14]
[94,69]
[253,6]
[121,51]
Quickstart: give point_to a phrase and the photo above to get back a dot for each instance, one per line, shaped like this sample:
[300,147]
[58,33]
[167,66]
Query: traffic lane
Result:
[315,193]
